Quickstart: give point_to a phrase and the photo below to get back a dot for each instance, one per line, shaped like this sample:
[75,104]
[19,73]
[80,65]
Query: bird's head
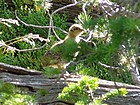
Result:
[75,30]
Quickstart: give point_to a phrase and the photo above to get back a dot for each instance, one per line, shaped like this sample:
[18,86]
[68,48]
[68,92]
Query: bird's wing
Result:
[53,58]
[57,44]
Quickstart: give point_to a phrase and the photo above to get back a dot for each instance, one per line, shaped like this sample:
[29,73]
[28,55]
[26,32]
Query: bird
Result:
[54,57]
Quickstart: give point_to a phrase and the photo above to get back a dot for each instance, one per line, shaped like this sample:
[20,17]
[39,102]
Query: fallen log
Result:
[17,70]
[36,81]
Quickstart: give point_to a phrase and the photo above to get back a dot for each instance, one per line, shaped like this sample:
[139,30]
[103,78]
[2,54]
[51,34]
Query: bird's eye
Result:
[71,30]
[76,28]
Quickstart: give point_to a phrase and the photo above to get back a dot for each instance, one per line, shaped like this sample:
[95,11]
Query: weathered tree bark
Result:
[71,12]
[134,70]
[35,81]
[17,70]
[105,7]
